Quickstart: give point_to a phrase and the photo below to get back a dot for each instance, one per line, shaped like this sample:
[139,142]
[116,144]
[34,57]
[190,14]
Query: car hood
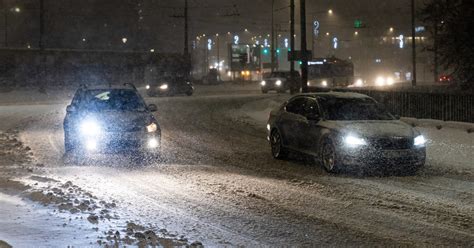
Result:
[122,121]
[371,129]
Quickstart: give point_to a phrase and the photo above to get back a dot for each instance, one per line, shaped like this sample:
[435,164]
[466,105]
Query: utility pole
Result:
[304,57]
[292,39]
[41,34]
[273,39]
[5,12]
[413,44]
[435,44]
[186,45]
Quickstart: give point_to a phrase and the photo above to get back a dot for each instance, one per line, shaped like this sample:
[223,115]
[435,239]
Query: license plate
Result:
[396,154]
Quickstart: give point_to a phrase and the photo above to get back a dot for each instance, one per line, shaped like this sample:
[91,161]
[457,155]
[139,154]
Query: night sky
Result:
[101,24]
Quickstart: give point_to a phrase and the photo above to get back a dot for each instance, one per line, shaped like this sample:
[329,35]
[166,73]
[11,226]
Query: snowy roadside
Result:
[37,209]
[450,144]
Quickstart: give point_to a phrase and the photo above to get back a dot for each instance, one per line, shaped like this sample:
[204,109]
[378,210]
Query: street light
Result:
[391,29]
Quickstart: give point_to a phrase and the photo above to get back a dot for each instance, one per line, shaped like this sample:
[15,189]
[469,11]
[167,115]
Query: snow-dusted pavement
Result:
[219,185]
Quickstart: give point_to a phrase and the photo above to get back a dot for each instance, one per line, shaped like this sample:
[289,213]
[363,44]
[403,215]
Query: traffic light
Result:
[278,51]
[357,23]
[265,51]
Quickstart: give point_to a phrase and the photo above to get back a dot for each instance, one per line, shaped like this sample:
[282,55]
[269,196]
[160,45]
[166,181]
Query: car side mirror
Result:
[70,108]
[152,108]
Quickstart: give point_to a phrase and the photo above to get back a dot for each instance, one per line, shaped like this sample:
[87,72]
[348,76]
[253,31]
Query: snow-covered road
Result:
[219,184]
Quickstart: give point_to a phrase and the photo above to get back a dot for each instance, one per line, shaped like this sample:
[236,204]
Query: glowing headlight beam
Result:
[324,83]
[152,128]
[153,143]
[419,140]
[278,83]
[164,87]
[380,81]
[353,141]
[90,128]
[263,83]
[147,87]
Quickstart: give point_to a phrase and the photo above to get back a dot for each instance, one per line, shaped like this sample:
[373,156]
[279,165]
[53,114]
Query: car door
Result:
[310,129]
[290,121]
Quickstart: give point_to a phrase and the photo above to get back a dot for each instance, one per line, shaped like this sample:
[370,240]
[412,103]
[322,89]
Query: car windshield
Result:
[347,109]
[114,99]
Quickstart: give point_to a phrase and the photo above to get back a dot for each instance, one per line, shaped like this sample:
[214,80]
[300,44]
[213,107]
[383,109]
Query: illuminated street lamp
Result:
[391,29]
[16,9]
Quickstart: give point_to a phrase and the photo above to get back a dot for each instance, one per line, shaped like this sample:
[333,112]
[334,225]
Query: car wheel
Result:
[329,156]
[276,142]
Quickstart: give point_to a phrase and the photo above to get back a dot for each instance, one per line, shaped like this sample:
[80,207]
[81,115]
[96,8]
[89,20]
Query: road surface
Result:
[219,185]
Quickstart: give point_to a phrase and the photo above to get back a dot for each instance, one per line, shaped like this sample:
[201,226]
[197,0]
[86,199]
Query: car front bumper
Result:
[122,142]
[383,158]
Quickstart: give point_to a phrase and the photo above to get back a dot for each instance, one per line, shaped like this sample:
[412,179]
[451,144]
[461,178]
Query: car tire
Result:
[276,143]
[329,158]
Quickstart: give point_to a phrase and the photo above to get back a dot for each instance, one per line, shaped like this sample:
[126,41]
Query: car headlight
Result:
[420,141]
[380,81]
[359,83]
[390,81]
[263,83]
[353,141]
[278,83]
[147,87]
[90,128]
[324,83]
[164,87]
[152,128]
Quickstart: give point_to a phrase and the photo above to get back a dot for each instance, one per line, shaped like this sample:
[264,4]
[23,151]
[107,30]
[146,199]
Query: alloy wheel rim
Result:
[275,144]
[328,157]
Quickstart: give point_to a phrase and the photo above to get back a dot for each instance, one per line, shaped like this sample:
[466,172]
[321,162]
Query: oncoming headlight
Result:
[263,83]
[147,86]
[324,83]
[390,81]
[90,128]
[152,128]
[353,141]
[359,83]
[164,87]
[278,83]
[420,141]
[380,81]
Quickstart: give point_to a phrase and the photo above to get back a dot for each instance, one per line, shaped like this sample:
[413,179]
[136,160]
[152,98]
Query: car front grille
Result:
[392,143]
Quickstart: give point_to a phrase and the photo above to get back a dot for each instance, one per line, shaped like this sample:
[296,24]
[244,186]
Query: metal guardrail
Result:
[424,105]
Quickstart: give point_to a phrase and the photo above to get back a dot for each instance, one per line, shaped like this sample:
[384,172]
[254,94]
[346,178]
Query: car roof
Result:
[109,87]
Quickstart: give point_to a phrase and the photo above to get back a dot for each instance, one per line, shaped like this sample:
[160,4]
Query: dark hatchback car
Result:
[170,87]
[345,130]
[110,119]
[280,81]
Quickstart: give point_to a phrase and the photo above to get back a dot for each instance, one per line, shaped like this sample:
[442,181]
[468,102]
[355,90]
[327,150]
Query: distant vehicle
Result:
[331,72]
[212,77]
[280,81]
[344,130]
[170,87]
[445,79]
[110,119]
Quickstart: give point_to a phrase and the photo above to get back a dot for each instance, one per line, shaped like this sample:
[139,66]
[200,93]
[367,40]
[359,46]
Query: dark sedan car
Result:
[344,130]
[110,119]
[280,81]
[170,87]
